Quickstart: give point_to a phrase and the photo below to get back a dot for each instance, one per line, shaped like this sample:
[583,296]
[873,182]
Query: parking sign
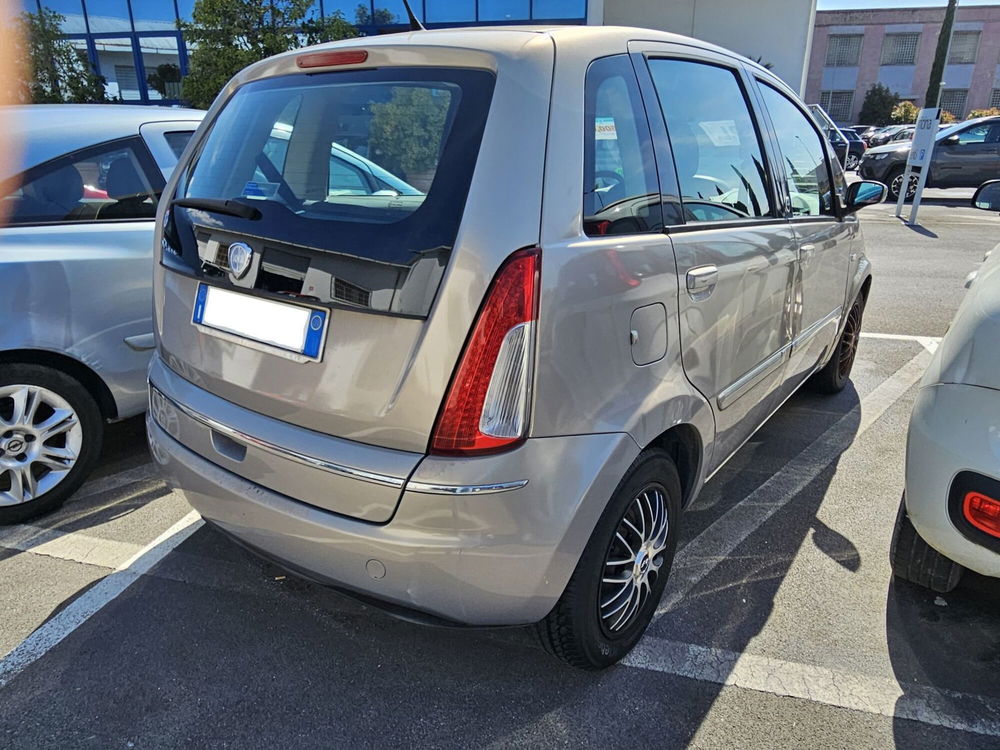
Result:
[923,137]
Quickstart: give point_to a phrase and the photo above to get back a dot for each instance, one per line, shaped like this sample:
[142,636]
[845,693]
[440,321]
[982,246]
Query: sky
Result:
[864,4]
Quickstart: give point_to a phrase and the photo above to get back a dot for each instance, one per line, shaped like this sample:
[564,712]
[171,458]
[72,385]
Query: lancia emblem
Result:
[240,255]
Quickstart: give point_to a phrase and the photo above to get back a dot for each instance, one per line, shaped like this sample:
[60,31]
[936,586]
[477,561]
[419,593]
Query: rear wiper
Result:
[219,206]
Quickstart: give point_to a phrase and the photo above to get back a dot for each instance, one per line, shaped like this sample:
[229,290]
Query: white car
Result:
[950,516]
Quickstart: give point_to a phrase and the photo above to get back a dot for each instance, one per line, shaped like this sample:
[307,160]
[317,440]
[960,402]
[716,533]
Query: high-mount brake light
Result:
[486,407]
[330,58]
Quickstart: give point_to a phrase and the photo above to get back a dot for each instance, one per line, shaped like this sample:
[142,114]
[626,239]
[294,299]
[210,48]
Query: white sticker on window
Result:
[604,129]
[721,132]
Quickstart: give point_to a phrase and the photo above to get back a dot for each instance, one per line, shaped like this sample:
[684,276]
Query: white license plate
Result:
[293,328]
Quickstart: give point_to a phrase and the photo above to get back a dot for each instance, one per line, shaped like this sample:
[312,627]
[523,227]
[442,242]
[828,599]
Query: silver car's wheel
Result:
[634,560]
[40,441]
[852,162]
[51,431]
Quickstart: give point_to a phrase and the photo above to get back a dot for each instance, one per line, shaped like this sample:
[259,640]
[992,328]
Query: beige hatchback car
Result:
[486,399]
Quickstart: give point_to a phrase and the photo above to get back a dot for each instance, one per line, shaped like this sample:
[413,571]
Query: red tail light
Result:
[982,512]
[486,408]
[331,57]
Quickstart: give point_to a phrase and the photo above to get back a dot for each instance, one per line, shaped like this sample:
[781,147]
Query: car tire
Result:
[837,371]
[585,628]
[852,162]
[914,560]
[57,429]
[894,181]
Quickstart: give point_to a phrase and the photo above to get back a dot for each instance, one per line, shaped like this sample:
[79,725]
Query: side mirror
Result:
[951,140]
[987,196]
[864,193]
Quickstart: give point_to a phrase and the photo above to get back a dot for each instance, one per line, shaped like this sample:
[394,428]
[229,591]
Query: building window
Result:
[953,100]
[964,47]
[900,49]
[838,104]
[843,50]
[995,99]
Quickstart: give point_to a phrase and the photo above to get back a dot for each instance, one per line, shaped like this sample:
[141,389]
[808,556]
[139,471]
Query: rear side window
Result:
[717,150]
[178,140]
[102,183]
[804,158]
[360,178]
[621,193]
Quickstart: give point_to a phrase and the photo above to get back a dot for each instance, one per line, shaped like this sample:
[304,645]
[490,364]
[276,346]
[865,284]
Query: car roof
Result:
[45,131]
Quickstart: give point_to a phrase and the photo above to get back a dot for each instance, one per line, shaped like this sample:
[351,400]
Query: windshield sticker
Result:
[721,132]
[254,189]
[604,129]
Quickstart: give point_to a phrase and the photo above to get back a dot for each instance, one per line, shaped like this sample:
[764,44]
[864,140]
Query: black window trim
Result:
[838,213]
[734,67]
[142,153]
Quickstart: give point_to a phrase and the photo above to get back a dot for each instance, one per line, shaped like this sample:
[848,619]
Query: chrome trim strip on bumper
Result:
[464,489]
[339,469]
[311,461]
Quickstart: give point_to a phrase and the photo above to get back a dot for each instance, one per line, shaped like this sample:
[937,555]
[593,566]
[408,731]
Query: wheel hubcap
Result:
[634,560]
[897,185]
[40,440]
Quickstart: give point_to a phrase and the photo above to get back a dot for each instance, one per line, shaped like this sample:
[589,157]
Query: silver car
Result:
[488,402]
[75,276]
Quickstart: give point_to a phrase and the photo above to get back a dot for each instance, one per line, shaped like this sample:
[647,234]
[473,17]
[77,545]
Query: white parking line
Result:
[716,543]
[115,481]
[74,546]
[819,684]
[92,601]
[930,343]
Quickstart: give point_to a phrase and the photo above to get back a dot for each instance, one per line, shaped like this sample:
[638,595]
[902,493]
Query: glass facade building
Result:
[137,47]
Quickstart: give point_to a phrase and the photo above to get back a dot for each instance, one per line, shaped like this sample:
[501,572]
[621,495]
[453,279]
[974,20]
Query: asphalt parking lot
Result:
[128,624]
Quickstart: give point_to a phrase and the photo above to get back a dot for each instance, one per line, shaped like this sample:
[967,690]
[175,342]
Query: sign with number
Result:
[923,138]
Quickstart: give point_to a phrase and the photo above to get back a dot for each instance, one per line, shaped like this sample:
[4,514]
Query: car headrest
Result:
[62,188]
[123,180]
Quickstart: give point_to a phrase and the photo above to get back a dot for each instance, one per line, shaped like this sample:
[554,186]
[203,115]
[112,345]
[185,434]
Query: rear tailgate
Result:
[392,240]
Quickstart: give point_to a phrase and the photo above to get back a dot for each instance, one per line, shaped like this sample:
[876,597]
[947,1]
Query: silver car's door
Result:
[735,250]
[75,267]
[808,190]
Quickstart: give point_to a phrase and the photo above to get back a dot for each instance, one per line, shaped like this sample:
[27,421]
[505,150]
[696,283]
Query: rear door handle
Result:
[702,280]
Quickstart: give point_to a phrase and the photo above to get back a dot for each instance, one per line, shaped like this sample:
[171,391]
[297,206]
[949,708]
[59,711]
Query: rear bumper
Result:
[953,429]
[482,559]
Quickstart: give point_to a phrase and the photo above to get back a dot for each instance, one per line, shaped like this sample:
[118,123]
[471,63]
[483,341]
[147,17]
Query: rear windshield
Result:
[360,180]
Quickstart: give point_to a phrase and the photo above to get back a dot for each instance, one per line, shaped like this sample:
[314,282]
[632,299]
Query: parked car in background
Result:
[865,132]
[884,135]
[841,146]
[855,148]
[494,417]
[75,287]
[949,519]
[965,155]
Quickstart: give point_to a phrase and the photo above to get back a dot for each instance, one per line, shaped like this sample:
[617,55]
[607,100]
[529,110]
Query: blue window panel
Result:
[560,9]
[504,10]
[393,11]
[108,16]
[154,15]
[347,8]
[450,11]
[70,10]
[185,7]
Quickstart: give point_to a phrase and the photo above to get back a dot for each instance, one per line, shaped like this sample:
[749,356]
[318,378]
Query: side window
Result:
[178,140]
[346,179]
[806,171]
[977,134]
[717,152]
[620,190]
[101,184]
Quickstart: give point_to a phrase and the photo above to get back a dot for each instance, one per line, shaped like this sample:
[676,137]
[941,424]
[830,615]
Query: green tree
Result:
[991,112]
[878,105]
[225,36]
[51,70]
[940,56]
[904,113]
[406,131]
[166,79]
[363,16]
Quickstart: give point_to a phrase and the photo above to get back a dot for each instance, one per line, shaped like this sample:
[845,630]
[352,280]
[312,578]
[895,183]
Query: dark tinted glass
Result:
[178,141]
[803,155]
[104,184]
[720,164]
[621,194]
[359,176]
